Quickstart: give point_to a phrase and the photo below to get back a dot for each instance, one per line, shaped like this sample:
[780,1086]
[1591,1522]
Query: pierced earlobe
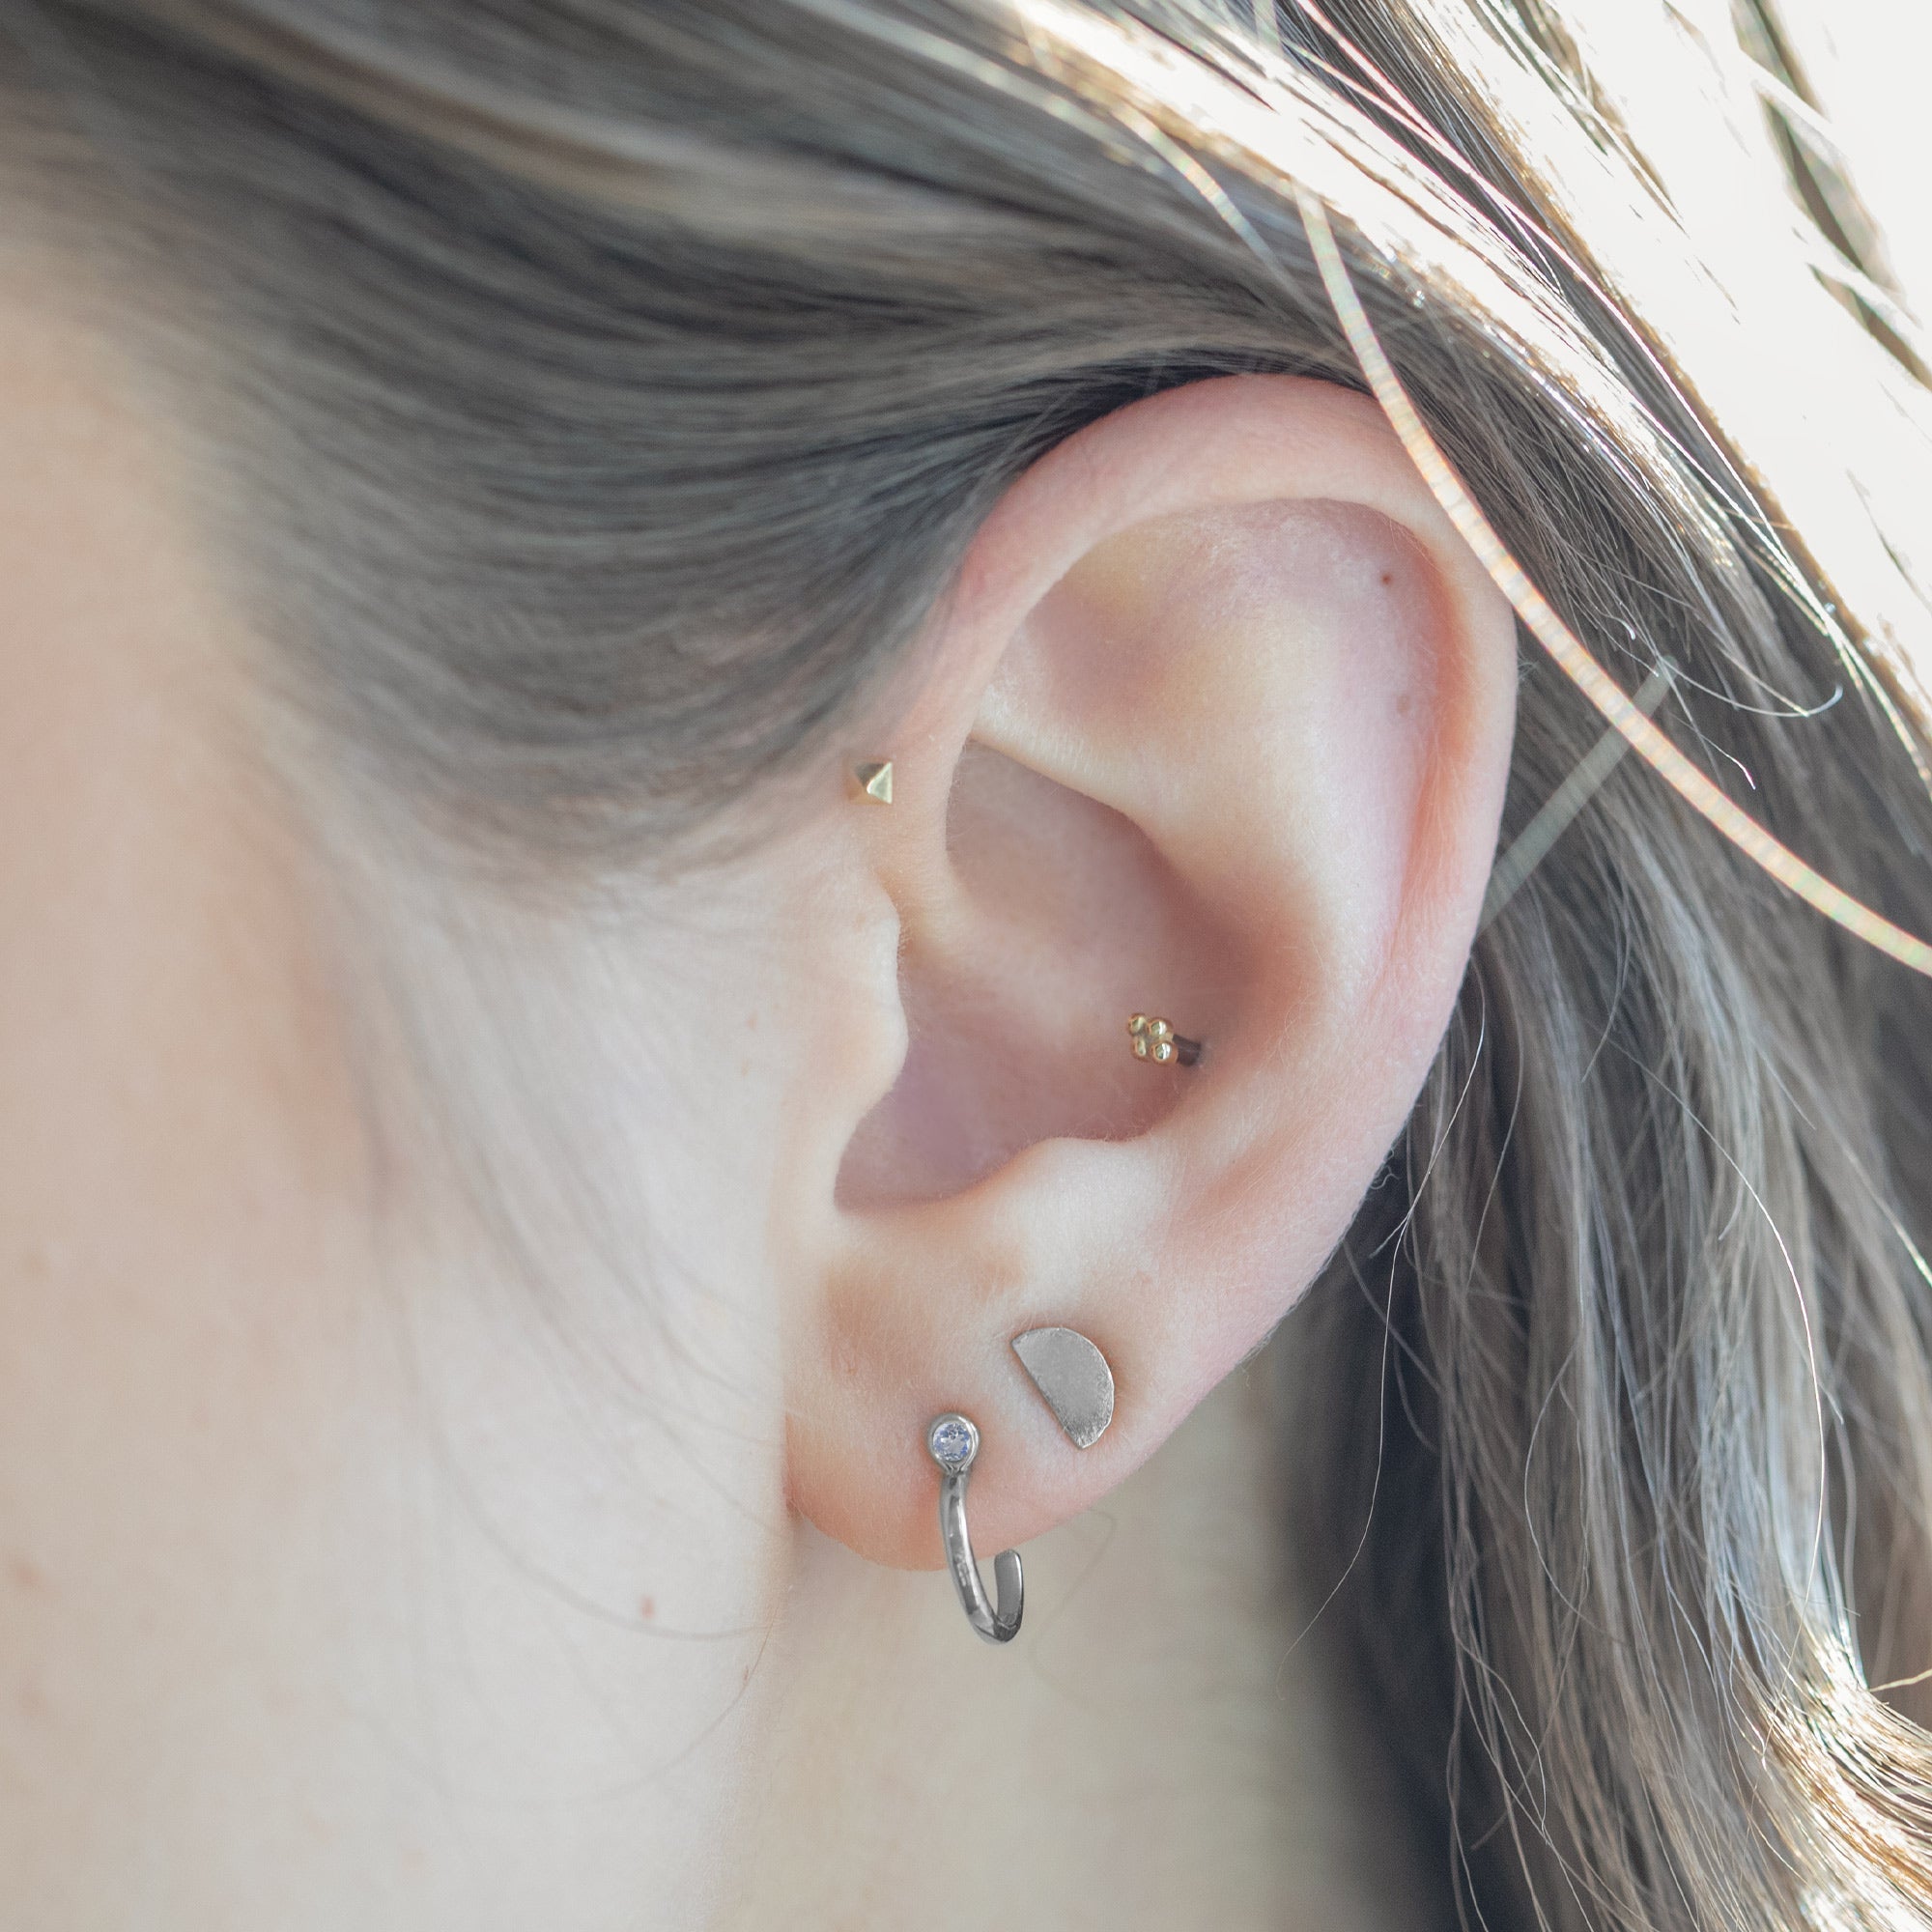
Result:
[1156,1039]
[1074,1380]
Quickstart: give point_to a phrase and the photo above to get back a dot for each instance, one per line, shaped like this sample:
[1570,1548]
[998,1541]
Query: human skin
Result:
[350,1575]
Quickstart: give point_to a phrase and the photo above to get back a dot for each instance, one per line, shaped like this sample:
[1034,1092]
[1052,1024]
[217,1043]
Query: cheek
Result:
[173,1102]
[179,1152]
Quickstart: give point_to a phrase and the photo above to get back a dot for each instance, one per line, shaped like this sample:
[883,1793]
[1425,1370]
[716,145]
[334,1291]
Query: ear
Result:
[1215,727]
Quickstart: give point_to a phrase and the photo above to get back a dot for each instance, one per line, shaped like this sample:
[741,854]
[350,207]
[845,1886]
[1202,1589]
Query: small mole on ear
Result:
[647,1607]
[1388,577]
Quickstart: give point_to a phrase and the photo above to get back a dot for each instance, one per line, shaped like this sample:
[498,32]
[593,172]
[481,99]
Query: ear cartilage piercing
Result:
[1156,1041]
[1073,1378]
[875,780]
[952,1443]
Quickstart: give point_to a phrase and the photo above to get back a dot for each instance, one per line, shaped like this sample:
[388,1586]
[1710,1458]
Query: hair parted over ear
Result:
[1217,723]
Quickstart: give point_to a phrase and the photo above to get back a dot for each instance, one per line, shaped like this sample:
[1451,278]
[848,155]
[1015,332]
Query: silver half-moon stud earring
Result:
[1073,1378]
[952,1443]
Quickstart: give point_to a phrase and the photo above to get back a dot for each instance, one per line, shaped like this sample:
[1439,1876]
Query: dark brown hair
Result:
[599,395]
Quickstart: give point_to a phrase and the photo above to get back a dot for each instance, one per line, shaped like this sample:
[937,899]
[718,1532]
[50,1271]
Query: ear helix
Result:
[1076,1383]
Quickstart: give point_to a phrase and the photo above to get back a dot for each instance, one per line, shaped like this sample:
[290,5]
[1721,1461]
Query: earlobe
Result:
[1216,733]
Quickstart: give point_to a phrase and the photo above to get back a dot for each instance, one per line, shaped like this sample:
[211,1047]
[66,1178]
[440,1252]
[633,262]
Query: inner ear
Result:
[1057,918]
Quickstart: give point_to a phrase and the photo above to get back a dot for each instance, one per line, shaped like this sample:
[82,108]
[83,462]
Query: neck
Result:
[1155,1749]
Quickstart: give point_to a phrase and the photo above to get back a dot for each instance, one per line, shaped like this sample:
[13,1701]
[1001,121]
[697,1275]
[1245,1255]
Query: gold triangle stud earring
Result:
[874,778]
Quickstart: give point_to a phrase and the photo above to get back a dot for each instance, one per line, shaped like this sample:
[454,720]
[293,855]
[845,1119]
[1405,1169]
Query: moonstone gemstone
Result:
[951,1441]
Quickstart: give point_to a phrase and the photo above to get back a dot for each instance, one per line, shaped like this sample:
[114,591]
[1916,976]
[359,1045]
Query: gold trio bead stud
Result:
[1156,1039]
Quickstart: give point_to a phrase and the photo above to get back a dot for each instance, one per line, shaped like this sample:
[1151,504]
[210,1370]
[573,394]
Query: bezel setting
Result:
[953,1441]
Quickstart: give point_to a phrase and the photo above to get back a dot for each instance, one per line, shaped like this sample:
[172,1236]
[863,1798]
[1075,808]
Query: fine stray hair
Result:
[604,394]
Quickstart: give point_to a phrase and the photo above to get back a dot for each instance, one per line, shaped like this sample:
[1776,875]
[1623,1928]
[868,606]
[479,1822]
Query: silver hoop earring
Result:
[953,1441]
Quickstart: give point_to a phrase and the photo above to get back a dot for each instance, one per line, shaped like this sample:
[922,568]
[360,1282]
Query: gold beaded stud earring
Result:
[1156,1039]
